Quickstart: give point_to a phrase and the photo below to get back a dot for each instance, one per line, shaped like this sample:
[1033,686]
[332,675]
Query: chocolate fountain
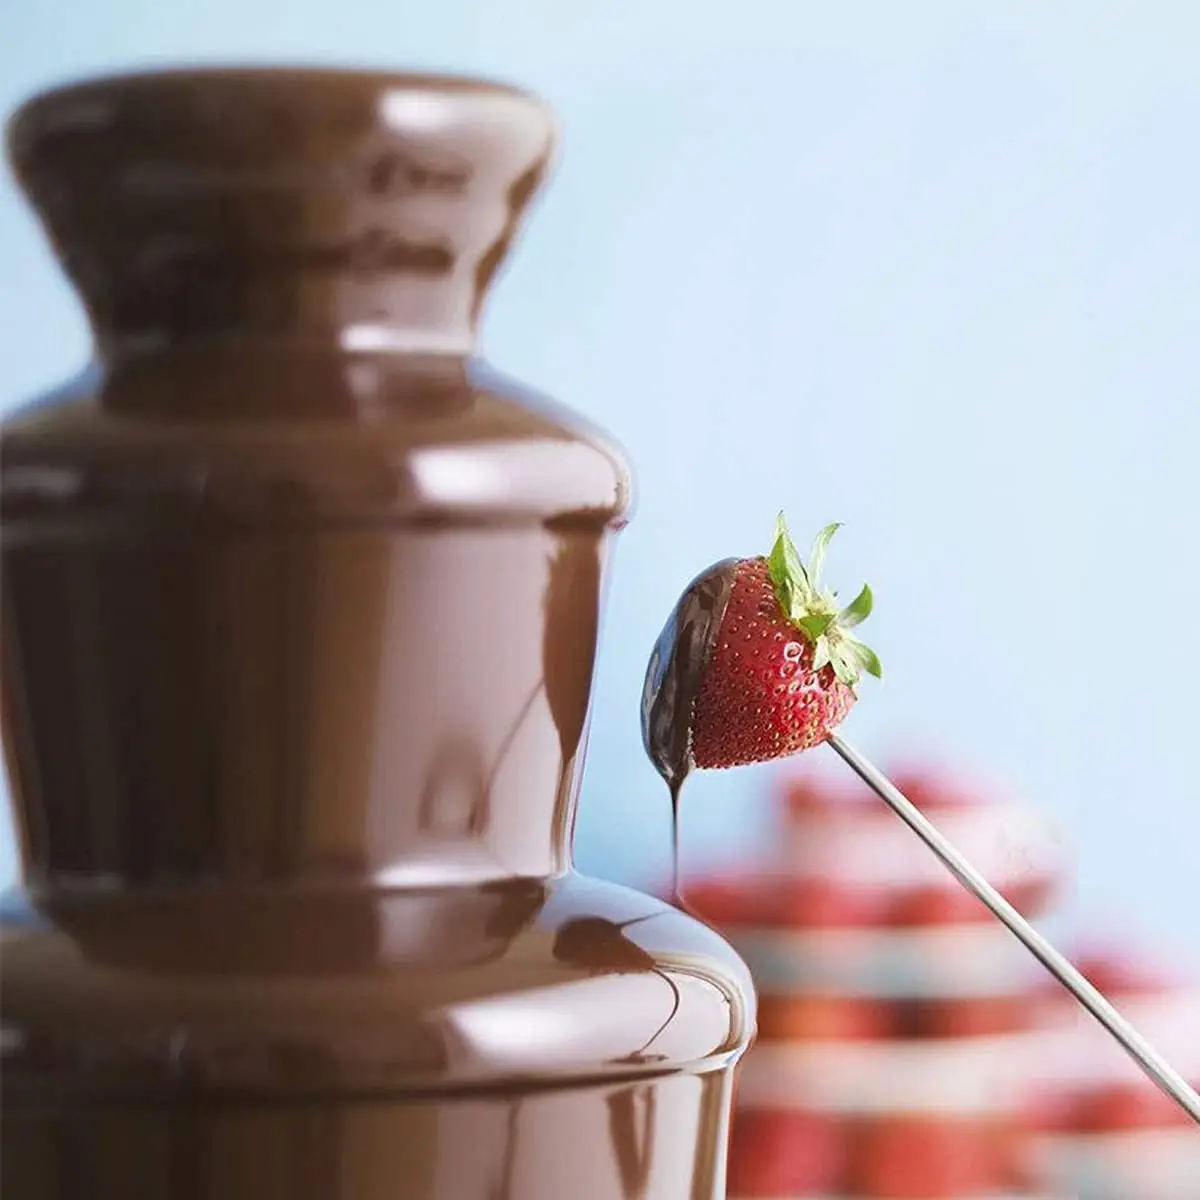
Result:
[300,607]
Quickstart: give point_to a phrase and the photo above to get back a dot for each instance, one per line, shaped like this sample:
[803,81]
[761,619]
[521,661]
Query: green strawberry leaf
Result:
[815,624]
[782,583]
[858,610]
[780,573]
[866,657]
[801,582]
[816,559]
[820,654]
[792,584]
[843,668]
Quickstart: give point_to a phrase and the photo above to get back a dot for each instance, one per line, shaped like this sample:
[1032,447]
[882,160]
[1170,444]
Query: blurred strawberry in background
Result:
[1104,1129]
[909,1048]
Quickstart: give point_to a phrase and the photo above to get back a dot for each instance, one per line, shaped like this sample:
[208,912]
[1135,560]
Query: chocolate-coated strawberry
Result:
[756,662]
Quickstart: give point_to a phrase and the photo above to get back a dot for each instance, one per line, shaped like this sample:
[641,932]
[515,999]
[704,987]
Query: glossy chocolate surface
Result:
[677,665]
[301,603]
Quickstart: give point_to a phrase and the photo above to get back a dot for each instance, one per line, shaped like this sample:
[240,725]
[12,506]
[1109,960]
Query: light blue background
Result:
[932,269]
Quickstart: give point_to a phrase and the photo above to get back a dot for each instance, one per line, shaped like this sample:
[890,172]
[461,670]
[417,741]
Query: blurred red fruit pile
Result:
[1106,1133]
[908,1048]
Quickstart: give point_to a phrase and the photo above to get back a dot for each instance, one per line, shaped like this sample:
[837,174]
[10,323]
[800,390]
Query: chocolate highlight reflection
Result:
[300,606]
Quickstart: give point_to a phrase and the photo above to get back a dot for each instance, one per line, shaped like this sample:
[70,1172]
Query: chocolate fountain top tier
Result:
[294,589]
[370,208]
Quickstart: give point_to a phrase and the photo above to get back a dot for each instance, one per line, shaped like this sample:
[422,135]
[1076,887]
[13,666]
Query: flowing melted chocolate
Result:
[676,667]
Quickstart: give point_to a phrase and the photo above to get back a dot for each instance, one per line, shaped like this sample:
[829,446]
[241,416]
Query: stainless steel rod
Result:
[1166,1077]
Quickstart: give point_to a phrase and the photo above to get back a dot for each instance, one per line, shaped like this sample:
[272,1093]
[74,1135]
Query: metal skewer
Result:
[1163,1075]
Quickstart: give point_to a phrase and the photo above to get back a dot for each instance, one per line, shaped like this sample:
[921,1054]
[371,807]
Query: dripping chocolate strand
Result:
[677,665]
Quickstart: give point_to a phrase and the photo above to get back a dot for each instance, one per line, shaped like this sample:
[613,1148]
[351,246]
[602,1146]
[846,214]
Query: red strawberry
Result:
[773,1153]
[756,662]
[783,668]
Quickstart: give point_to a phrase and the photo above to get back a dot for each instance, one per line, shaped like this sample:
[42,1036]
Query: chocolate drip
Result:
[676,667]
[673,675]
